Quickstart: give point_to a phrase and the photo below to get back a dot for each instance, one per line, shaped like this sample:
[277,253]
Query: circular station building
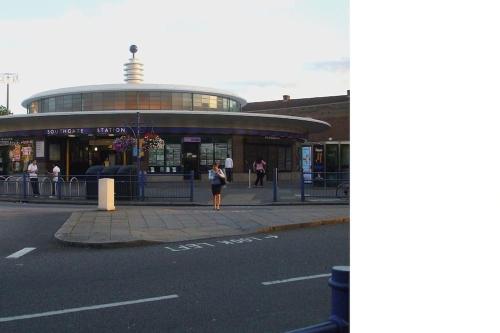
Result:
[75,127]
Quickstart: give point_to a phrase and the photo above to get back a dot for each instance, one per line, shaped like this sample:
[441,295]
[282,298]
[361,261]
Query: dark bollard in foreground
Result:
[339,317]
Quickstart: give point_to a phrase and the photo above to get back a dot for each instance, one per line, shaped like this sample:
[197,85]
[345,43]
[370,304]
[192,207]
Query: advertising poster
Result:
[26,151]
[306,164]
[16,153]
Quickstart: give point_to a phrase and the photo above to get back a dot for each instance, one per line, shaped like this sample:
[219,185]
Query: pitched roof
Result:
[299,102]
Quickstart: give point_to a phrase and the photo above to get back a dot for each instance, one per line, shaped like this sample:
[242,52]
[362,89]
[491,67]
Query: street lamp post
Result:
[138,144]
[8,78]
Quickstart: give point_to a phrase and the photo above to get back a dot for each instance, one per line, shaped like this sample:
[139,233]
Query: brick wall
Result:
[336,114]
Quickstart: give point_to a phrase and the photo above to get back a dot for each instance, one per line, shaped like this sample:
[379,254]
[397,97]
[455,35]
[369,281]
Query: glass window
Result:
[97,101]
[219,103]
[52,105]
[154,100]
[284,158]
[187,101]
[59,103]
[87,102]
[332,157]
[143,100]
[156,157]
[34,107]
[205,101]
[207,154]
[173,154]
[177,101]
[120,100]
[213,102]
[76,102]
[166,101]
[225,104]
[344,157]
[67,103]
[221,150]
[131,100]
[108,101]
[232,106]
[197,102]
[54,152]
[45,105]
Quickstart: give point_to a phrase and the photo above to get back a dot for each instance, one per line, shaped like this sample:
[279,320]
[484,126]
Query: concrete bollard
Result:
[106,199]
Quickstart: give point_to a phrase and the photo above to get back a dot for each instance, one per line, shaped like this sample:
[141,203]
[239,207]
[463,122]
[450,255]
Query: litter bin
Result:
[126,184]
[91,181]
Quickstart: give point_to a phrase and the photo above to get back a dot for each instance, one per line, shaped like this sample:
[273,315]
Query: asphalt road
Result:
[212,285]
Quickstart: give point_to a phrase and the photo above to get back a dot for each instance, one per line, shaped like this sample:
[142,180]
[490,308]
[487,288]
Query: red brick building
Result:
[331,145]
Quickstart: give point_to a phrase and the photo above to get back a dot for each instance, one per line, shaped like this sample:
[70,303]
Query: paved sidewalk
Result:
[131,225]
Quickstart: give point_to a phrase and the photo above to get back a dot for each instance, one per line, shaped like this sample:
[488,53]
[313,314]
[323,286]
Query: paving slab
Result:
[145,224]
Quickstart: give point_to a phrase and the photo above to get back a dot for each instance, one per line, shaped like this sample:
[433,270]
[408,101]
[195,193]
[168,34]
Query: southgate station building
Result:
[76,127]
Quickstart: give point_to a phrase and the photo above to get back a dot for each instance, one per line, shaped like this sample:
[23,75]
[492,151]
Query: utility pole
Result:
[8,78]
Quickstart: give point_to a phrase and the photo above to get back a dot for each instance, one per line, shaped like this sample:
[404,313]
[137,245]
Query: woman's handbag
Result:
[222,180]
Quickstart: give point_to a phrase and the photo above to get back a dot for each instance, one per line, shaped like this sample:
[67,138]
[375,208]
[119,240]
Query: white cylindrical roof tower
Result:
[134,68]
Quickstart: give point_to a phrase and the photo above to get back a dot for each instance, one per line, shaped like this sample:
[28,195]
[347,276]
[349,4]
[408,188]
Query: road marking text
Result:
[193,246]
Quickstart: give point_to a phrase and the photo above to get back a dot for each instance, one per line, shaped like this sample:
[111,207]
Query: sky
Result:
[258,49]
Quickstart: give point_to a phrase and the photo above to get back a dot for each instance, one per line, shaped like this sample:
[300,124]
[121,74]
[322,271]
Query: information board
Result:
[306,164]
[40,149]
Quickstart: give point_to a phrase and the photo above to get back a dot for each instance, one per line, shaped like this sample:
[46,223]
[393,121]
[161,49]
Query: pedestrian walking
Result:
[33,175]
[217,180]
[55,179]
[259,167]
[228,168]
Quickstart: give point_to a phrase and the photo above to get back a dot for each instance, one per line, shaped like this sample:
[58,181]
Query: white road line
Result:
[296,279]
[86,308]
[21,253]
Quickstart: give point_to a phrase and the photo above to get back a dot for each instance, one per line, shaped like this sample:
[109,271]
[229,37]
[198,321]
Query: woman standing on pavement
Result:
[217,179]
[259,167]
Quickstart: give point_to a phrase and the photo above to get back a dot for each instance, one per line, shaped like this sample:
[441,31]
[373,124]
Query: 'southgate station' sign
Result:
[98,131]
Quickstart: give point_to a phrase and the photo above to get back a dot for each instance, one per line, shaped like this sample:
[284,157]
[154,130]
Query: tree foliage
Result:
[4,111]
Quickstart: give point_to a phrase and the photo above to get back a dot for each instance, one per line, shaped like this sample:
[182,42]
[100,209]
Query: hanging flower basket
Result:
[153,141]
[123,143]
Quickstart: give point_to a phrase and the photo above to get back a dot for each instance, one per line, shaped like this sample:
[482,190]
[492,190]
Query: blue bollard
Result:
[58,188]
[339,282]
[339,317]
[302,189]
[25,189]
[191,186]
[275,185]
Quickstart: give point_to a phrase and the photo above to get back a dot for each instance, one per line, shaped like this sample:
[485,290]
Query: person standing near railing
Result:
[217,179]
[33,174]
[228,168]
[259,167]
[55,178]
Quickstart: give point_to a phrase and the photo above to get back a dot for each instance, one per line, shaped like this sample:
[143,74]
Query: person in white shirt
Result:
[228,166]
[55,178]
[33,174]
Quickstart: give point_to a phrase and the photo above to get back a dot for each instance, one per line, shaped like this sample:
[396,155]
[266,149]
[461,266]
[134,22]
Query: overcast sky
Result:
[259,49]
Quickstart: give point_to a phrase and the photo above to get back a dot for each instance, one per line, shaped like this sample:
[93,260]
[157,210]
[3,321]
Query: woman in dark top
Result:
[215,179]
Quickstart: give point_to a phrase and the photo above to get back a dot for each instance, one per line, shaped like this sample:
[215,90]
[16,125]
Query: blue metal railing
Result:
[85,187]
[286,187]
[325,185]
